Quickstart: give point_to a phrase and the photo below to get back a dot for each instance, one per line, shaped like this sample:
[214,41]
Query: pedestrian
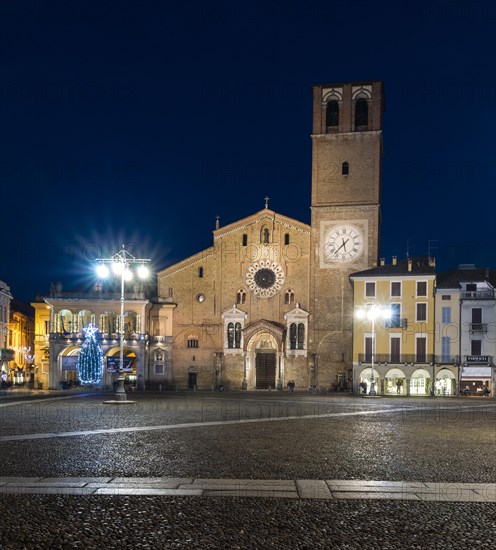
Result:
[292,385]
[398,387]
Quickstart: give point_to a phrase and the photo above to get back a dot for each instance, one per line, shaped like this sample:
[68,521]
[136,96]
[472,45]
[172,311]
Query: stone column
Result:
[279,371]
[244,385]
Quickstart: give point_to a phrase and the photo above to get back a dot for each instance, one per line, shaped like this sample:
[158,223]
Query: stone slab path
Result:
[277,488]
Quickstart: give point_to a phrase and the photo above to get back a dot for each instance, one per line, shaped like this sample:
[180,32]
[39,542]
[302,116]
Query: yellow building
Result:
[395,350]
[23,368]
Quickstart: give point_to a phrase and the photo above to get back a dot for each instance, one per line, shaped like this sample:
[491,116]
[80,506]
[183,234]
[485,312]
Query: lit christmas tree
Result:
[90,360]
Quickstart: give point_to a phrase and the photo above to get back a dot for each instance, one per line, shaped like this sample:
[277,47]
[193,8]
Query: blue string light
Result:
[90,360]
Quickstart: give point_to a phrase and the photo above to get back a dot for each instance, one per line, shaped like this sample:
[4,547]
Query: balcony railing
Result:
[102,335]
[410,359]
[395,359]
[478,327]
[478,295]
[396,323]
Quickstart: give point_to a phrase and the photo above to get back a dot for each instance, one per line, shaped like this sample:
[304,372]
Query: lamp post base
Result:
[372,389]
[120,396]
[244,384]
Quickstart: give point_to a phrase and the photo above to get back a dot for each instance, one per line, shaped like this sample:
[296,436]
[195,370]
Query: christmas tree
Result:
[90,360]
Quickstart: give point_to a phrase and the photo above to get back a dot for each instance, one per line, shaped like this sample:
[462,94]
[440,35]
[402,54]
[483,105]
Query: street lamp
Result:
[121,264]
[372,312]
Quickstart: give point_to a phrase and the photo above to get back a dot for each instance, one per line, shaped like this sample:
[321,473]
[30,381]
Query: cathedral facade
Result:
[271,301]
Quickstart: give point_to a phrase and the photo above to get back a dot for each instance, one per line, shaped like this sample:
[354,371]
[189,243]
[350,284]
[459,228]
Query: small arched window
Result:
[230,335]
[245,239]
[286,239]
[240,296]
[332,114]
[289,296]
[237,335]
[200,272]
[361,112]
[301,335]
[265,235]
[292,336]
[345,168]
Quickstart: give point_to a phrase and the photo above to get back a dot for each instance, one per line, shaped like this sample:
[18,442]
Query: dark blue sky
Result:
[138,122]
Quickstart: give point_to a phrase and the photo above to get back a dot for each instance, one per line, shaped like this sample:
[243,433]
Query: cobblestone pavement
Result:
[246,470]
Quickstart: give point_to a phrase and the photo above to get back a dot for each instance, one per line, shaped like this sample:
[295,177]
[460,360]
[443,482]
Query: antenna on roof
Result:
[409,247]
[432,245]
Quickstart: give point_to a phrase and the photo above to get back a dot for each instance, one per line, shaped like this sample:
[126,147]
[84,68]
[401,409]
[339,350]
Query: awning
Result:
[475,373]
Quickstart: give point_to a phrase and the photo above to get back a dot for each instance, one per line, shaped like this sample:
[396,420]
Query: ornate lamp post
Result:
[121,264]
[372,312]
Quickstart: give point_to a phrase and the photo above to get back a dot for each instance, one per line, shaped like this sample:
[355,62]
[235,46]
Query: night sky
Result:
[137,122]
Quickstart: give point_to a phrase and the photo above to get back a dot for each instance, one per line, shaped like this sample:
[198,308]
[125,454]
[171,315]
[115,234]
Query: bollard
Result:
[160,387]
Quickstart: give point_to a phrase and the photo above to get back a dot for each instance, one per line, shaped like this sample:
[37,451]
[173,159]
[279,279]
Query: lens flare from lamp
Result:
[143,272]
[117,268]
[102,271]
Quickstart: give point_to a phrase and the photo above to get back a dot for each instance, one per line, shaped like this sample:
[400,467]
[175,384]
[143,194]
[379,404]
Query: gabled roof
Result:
[265,213]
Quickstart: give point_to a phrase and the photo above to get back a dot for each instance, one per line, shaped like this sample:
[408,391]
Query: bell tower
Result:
[346,193]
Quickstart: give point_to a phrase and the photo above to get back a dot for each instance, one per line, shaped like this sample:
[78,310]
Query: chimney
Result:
[394,260]
[383,261]
[409,264]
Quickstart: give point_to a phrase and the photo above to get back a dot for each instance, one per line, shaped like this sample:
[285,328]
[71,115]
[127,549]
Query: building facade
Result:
[6,354]
[60,320]
[466,327]
[271,301]
[396,351]
[23,367]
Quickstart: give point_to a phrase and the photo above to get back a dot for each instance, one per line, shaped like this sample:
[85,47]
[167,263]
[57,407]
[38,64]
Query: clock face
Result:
[343,244]
[264,278]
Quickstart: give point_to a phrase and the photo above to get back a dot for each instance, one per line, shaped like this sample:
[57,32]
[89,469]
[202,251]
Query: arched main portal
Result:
[263,355]
[263,352]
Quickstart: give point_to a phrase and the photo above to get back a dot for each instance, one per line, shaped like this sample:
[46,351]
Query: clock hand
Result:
[342,245]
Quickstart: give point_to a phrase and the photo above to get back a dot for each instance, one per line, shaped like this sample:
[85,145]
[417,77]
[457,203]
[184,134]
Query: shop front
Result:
[476,380]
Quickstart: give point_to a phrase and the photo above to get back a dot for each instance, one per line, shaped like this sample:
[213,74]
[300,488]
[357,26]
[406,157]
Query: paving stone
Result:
[351,495]
[148,491]
[454,497]
[134,485]
[310,488]
[151,480]
[45,490]
[251,493]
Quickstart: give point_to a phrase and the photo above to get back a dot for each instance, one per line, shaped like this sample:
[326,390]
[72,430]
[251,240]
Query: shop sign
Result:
[69,362]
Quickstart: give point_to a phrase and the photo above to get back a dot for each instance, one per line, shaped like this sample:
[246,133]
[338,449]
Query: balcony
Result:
[395,359]
[478,327]
[396,323]
[478,295]
[408,358]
